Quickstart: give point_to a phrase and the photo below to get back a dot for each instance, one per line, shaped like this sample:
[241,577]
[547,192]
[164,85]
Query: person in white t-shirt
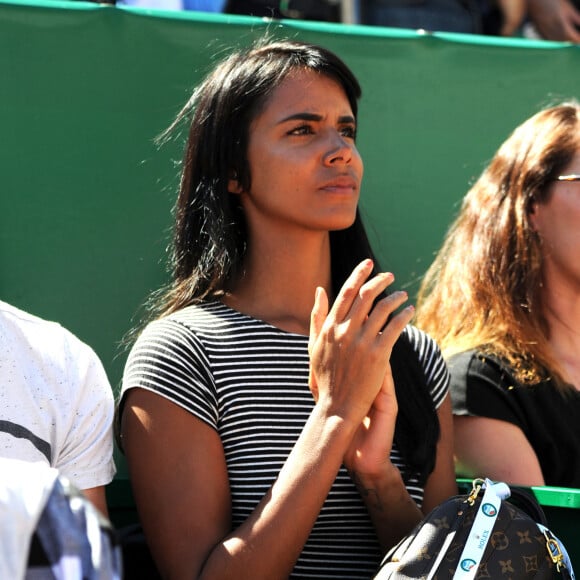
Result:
[56,403]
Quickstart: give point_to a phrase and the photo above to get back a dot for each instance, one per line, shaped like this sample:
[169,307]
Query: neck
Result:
[280,280]
[562,312]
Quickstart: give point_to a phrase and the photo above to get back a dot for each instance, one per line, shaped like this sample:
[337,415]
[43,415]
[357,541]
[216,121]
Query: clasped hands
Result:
[350,347]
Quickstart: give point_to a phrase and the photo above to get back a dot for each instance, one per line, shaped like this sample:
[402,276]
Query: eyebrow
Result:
[315,117]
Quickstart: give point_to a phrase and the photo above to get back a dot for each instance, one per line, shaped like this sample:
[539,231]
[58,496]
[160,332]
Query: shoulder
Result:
[22,326]
[426,349]
[474,364]
[183,340]
[481,385]
[26,327]
[175,357]
[166,341]
[188,330]
[217,326]
[43,344]
[431,360]
[421,342]
[204,319]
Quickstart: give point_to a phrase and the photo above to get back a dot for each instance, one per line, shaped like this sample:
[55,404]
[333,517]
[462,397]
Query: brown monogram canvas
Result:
[516,550]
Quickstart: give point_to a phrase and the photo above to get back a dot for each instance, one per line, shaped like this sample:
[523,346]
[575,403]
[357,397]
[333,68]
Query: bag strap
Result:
[482,526]
[484,521]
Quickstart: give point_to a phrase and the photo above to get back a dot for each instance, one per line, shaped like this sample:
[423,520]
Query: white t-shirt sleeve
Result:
[86,453]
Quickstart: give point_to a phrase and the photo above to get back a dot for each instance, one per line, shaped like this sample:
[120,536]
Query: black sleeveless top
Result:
[481,386]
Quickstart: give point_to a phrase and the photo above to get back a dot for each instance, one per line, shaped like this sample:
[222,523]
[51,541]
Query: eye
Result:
[349,132]
[301,130]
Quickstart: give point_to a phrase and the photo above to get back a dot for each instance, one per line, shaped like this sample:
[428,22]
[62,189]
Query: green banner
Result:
[85,209]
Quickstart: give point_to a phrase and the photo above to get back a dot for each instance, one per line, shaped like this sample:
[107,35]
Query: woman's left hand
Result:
[370,449]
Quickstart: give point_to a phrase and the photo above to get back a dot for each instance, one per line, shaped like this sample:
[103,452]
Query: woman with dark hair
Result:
[280,417]
[502,299]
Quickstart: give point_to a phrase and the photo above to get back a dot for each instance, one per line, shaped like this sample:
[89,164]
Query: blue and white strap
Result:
[481,530]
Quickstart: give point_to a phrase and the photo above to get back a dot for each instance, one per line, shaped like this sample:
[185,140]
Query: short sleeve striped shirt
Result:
[249,381]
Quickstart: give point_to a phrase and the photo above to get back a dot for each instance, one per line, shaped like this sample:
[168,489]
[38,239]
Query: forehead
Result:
[306,90]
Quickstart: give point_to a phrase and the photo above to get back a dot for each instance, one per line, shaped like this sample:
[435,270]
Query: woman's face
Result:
[557,222]
[304,166]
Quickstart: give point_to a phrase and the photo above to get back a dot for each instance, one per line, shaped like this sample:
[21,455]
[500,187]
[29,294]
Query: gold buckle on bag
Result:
[554,550]
[477,485]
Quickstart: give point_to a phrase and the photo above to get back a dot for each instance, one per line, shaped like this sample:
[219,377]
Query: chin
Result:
[338,218]
[342,224]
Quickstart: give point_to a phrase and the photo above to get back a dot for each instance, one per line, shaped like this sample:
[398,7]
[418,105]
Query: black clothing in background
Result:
[482,386]
[303,9]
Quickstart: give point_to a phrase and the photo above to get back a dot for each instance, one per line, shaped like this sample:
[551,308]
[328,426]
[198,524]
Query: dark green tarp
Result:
[86,194]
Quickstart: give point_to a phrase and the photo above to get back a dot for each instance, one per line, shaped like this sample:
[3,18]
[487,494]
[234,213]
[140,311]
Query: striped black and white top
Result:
[249,381]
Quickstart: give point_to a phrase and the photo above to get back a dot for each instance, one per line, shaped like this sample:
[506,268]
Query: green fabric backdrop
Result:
[86,195]
[86,199]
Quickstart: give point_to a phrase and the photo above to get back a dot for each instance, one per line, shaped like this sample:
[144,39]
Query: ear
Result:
[234,185]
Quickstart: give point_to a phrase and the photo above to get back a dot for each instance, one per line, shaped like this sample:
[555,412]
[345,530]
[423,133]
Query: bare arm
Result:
[96,495]
[513,13]
[180,481]
[496,449]
[442,483]
[555,19]
[367,458]
[393,511]
[391,507]
[178,469]
[382,493]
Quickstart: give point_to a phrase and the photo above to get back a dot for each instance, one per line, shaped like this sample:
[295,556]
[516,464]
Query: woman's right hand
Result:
[350,377]
[350,345]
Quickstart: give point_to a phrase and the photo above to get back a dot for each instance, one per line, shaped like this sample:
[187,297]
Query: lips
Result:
[342,183]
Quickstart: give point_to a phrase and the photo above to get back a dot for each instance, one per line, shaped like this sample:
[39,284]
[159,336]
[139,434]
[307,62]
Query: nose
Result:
[339,150]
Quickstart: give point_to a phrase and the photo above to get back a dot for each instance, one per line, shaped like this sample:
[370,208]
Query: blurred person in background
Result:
[502,299]
[322,10]
[56,403]
[548,19]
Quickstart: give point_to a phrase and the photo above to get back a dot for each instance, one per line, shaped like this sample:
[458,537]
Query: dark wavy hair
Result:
[210,231]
